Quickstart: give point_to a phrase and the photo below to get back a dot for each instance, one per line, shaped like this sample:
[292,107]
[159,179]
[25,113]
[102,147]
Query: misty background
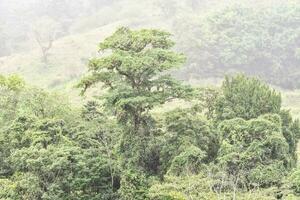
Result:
[49,42]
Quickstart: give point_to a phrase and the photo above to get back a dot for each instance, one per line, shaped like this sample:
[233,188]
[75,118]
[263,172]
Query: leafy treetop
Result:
[133,72]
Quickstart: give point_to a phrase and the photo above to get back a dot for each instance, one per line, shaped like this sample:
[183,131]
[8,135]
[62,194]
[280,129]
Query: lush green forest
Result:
[229,142]
[149,100]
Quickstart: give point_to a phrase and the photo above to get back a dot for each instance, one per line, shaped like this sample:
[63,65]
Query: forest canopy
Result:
[234,141]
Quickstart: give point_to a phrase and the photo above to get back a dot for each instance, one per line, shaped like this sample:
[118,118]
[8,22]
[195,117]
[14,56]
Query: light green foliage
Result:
[12,82]
[42,104]
[246,98]
[18,99]
[183,188]
[294,180]
[201,187]
[10,88]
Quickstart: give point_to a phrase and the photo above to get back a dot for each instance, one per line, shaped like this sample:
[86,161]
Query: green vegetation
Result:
[232,142]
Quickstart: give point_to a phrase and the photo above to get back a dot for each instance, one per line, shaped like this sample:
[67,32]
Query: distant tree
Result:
[45,31]
[256,40]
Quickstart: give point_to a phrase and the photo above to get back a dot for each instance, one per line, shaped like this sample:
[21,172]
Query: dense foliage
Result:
[261,41]
[234,142]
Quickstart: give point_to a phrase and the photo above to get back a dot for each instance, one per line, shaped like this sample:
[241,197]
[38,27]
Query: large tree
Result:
[134,74]
[257,138]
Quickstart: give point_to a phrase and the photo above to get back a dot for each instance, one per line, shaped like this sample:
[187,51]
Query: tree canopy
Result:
[234,142]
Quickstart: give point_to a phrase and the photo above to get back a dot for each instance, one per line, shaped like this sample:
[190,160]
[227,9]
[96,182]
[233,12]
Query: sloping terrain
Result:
[217,37]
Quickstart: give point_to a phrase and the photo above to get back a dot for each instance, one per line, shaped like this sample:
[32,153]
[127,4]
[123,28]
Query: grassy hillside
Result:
[69,55]
[184,19]
[67,59]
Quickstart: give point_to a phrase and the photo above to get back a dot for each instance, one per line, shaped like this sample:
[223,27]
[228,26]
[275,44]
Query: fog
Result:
[19,18]
[258,38]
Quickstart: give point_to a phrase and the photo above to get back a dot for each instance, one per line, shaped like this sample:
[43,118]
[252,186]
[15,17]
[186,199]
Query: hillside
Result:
[195,27]
[69,54]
